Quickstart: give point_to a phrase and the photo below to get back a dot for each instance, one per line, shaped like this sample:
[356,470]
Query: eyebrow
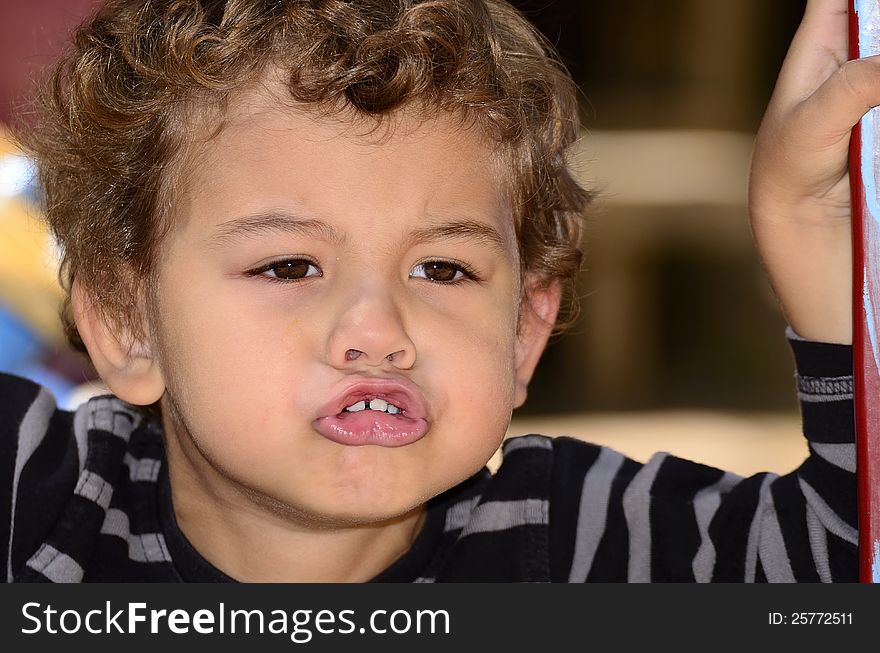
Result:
[281,221]
[460,229]
[273,222]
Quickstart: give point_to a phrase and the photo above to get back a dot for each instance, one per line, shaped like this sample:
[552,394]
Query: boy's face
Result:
[311,268]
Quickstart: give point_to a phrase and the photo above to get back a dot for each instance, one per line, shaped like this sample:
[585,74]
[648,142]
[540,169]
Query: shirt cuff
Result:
[823,359]
[825,389]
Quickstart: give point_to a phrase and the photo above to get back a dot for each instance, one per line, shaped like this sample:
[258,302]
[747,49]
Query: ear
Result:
[537,317]
[125,364]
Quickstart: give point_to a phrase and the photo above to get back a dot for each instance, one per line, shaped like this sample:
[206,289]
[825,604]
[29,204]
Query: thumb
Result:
[841,101]
[816,51]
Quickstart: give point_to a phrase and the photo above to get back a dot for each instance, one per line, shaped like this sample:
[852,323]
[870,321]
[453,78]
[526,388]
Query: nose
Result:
[370,331]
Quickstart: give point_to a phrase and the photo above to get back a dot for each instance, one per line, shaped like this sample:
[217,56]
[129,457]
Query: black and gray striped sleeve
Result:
[672,520]
[36,453]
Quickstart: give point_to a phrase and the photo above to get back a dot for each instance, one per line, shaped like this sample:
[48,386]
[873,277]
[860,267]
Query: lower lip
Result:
[371,427]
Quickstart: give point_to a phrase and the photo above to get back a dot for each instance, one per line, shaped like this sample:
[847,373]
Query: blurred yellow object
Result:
[28,265]
[6,146]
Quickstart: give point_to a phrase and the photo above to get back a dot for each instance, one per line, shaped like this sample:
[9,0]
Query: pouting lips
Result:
[382,412]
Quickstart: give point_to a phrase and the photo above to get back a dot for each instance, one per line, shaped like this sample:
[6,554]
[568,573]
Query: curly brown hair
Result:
[116,114]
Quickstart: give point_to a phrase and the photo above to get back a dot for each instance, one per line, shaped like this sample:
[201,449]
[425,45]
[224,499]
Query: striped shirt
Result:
[85,497]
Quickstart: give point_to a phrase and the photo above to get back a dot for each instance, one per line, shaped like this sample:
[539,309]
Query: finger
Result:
[836,106]
[818,48]
[826,25]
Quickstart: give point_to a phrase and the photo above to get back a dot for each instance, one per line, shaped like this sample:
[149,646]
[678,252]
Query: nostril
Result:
[353,354]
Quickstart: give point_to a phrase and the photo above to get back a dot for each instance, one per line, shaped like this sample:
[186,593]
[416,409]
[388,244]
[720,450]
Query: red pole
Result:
[865,182]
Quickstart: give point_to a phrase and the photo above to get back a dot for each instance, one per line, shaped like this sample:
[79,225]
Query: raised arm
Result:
[799,195]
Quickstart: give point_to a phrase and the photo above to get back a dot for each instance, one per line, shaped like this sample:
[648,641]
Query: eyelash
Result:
[468,272]
[260,271]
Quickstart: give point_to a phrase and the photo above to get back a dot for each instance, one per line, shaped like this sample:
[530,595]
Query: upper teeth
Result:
[373,404]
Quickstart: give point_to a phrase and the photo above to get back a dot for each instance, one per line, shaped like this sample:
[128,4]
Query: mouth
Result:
[387,413]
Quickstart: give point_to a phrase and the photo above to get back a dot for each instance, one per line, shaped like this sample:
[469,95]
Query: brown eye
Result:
[440,271]
[291,270]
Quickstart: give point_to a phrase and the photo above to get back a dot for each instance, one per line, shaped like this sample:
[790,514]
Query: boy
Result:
[325,243]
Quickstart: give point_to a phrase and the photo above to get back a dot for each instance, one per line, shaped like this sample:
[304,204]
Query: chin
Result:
[375,509]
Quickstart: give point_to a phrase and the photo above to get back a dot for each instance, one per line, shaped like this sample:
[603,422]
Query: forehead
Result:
[270,155]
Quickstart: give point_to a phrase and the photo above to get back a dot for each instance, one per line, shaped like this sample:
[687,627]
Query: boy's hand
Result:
[799,197]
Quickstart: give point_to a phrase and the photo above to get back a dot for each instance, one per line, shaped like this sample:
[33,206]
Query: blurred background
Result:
[680,344]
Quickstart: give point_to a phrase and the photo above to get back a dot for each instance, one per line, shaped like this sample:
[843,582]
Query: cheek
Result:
[227,365]
[476,369]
